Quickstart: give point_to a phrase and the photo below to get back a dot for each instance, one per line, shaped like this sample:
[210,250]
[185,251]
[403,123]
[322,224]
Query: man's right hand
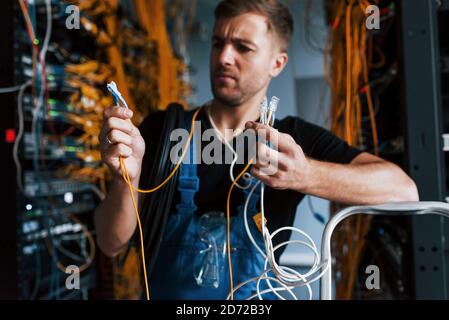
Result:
[120,138]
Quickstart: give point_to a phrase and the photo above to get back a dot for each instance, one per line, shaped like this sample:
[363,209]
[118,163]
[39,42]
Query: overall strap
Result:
[188,181]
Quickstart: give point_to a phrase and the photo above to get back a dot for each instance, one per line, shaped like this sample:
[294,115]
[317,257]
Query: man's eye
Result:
[217,45]
[243,48]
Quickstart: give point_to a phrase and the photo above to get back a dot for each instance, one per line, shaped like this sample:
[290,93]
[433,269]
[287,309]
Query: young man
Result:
[249,48]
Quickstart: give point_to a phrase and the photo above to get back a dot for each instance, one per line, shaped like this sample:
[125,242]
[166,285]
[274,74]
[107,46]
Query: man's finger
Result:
[116,136]
[117,112]
[264,173]
[279,141]
[118,150]
[114,123]
[267,156]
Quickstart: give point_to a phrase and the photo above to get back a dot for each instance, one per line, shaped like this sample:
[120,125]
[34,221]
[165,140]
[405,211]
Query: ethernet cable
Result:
[284,274]
[287,278]
[267,116]
[263,119]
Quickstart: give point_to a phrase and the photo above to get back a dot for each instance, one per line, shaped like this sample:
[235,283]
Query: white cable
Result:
[15,148]
[48,30]
[42,57]
[286,277]
[285,288]
[263,110]
[231,169]
[240,285]
[279,272]
[12,89]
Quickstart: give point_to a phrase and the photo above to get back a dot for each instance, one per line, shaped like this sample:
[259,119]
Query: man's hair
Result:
[278,16]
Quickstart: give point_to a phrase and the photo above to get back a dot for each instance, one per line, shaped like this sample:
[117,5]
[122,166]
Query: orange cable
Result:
[348,73]
[136,210]
[127,179]
[228,216]
[177,165]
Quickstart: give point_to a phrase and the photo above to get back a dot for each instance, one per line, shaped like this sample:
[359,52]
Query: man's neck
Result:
[235,117]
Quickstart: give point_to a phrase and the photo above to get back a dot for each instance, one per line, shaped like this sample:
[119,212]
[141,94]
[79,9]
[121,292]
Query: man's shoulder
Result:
[153,117]
[157,117]
[151,126]
[160,114]
[154,121]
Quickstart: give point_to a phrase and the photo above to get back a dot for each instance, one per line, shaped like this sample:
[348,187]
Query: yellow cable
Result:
[127,179]
[136,210]
[348,74]
[178,164]
[228,217]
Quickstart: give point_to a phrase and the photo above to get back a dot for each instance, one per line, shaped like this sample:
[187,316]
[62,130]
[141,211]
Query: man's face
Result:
[242,58]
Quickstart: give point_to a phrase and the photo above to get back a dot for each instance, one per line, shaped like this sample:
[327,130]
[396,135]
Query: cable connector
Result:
[274,104]
[112,87]
[263,110]
[264,105]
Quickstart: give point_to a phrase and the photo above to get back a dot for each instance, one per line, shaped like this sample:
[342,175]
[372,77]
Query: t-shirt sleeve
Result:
[319,143]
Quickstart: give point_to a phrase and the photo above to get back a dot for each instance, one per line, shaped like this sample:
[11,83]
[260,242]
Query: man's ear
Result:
[279,64]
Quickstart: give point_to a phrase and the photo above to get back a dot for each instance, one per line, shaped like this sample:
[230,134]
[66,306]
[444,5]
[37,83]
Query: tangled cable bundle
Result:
[348,72]
[285,277]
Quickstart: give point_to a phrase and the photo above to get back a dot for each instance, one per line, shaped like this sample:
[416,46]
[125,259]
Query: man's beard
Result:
[227,100]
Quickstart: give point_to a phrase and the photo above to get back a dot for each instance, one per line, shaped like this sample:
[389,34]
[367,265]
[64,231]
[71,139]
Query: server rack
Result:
[425,113]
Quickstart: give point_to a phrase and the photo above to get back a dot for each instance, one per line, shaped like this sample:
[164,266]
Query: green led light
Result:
[73,149]
[70,149]
[53,113]
[36,41]
[50,77]
[51,101]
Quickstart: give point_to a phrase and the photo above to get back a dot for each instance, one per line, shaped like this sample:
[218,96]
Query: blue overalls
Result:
[173,274]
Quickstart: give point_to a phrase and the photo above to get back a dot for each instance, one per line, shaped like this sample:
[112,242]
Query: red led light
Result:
[10,135]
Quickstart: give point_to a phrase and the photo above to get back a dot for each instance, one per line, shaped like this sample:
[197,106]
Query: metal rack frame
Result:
[396,208]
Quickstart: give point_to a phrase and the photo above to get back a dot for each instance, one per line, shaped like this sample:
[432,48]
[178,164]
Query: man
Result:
[249,48]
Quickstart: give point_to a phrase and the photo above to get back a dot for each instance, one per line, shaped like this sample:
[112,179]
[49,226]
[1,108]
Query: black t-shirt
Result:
[280,205]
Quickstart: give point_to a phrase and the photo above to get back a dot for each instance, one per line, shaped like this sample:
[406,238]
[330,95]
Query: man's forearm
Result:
[115,219]
[365,183]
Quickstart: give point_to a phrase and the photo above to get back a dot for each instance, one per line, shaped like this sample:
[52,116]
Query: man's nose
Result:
[227,55]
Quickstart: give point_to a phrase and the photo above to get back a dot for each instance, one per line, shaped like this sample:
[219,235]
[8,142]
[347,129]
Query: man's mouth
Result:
[224,77]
